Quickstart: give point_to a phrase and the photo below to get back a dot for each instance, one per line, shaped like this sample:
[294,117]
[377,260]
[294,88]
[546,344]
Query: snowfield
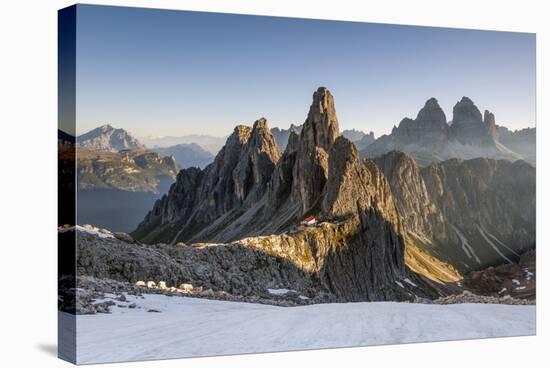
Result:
[191,327]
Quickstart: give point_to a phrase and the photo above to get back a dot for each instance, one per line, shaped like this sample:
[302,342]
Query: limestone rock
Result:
[414,205]
[234,182]
[428,132]
[472,213]
[358,250]
[124,237]
[468,127]
[107,139]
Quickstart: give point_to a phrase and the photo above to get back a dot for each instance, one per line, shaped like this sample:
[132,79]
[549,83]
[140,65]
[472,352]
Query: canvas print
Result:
[234,184]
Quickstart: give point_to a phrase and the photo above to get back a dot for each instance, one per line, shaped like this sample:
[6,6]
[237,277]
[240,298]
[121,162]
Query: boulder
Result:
[125,237]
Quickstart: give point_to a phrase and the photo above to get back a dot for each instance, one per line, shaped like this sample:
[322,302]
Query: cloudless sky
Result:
[162,72]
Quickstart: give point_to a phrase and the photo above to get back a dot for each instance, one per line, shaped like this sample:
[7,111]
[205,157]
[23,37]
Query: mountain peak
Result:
[241,133]
[465,111]
[431,116]
[466,100]
[432,103]
[489,118]
[106,127]
[263,141]
[107,139]
[490,125]
[321,126]
[261,123]
[323,102]
[469,128]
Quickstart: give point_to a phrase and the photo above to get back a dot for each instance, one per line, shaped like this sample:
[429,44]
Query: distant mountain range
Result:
[281,135]
[109,139]
[209,143]
[359,138]
[429,138]
[187,154]
[213,144]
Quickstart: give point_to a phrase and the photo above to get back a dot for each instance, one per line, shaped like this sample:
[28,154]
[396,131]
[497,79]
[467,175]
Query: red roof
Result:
[310,218]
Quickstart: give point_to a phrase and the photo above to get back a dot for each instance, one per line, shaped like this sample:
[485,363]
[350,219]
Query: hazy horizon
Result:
[173,73]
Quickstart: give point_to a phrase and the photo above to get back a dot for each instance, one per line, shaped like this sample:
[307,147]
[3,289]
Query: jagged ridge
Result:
[428,138]
[358,251]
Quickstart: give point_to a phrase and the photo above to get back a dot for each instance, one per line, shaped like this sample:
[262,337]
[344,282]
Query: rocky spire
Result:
[321,126]
[236,180]
[428,129]
[262,139]
[354,186]
[432,116]
[469,128]
[310,171]
[490,125]
[466,112]
[256,163]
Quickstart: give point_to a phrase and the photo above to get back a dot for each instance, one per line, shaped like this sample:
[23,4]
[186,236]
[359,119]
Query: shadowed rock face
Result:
[515,279]
[414,204]
[430,126]
[523,141]
[488,205]
[319,132]
[472,213]
[465,112]
[468,127]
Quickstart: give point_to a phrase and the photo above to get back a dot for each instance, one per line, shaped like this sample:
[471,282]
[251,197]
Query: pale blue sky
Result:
[160,72]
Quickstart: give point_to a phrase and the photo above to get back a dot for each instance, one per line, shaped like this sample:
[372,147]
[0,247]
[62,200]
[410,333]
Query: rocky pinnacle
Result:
[321,126]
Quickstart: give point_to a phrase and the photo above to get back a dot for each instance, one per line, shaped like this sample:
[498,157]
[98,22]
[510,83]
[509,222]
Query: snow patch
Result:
[187,327]
[94,231]
[131,170]
[466,247]
[280,291]
[409,282]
